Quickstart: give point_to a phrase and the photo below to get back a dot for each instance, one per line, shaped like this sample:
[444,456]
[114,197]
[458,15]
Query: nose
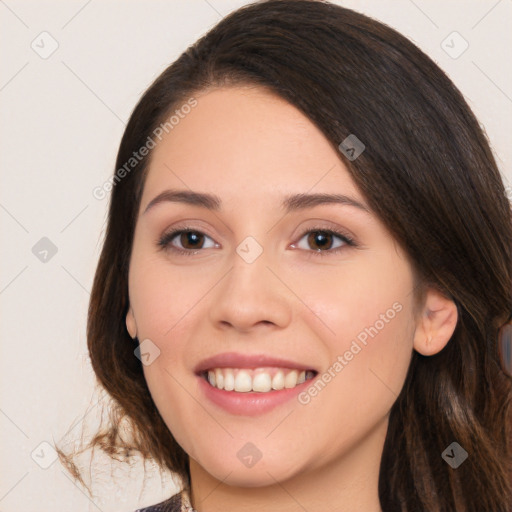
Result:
[251,294]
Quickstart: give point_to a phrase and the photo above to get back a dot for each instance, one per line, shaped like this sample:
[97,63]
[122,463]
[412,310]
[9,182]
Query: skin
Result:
[251,148]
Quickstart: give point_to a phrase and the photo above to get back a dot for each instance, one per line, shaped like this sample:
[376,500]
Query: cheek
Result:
[351,299]
[165,301]
[367,369]
[366,317]
[162,296]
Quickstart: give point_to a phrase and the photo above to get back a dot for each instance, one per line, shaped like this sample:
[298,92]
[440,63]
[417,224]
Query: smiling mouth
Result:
[260,380]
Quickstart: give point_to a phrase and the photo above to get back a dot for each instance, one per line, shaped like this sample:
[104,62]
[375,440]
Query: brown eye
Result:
[322,239]
[189,240]
[319,241]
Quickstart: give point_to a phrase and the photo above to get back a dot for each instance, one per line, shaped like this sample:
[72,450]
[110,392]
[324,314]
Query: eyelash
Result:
[165,241]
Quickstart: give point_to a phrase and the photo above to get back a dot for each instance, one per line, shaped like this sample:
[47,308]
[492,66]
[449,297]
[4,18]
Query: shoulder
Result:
[173,504]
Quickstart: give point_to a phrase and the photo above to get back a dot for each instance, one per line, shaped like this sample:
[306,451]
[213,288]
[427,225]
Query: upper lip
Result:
[250,361]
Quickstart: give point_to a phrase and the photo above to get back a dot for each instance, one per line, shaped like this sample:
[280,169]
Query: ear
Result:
[436,323]
[131,325]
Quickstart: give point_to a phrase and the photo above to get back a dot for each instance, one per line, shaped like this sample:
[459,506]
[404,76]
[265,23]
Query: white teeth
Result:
[243,381]
[219,378]
[290,381]
[229,380]
[278,381]
[261,380]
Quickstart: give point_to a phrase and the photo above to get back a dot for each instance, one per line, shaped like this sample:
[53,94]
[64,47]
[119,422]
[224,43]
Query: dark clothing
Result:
[178,503]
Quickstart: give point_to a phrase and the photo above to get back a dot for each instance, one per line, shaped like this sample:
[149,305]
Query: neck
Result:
[346,483]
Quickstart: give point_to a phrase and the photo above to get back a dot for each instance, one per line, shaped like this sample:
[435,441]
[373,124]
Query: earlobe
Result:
[436,324]
[131,325]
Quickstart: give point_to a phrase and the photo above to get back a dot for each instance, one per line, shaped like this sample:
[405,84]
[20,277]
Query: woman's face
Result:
[266,278]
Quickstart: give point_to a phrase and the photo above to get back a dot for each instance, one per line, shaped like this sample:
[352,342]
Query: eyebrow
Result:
[290,203]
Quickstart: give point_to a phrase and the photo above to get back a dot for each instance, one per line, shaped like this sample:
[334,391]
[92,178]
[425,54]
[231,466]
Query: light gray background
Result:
[62,118]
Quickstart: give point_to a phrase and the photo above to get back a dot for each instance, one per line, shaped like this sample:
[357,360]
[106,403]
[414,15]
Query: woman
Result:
[306,271]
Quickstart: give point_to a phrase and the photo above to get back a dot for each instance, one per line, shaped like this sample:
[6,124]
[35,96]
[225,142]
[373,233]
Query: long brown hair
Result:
[427,172]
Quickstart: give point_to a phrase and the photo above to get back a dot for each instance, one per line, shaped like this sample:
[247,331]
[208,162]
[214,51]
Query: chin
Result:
[262,474]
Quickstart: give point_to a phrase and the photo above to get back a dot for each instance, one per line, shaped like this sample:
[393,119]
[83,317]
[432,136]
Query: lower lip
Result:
[250,403]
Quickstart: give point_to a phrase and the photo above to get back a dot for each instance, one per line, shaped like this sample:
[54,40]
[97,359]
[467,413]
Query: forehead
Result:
[249,140]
